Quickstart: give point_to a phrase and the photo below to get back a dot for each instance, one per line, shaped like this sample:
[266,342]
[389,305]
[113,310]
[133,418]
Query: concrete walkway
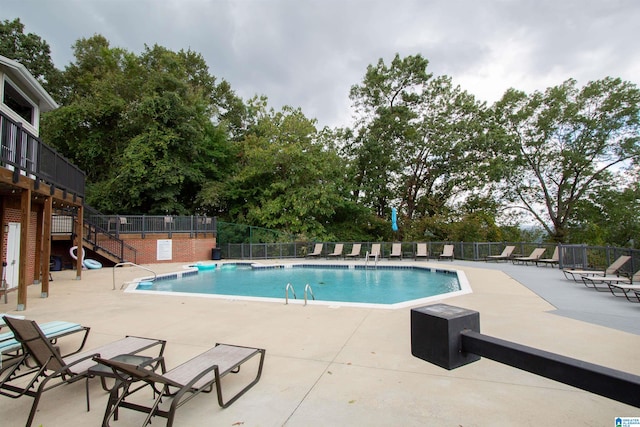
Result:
[572,299]
[346,366]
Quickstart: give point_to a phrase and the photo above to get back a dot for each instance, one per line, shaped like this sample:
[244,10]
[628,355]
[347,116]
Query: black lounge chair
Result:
[41,367]
[190,378]
[11,349]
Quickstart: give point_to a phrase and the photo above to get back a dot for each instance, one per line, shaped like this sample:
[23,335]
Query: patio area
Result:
[330,365]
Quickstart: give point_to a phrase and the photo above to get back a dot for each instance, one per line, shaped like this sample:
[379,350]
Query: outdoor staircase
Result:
[103,242]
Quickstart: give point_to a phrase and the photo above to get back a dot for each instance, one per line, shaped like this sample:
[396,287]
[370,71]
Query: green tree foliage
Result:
[286,179]
[29,50]
[609,218]
[142,127]
[418,142]
[556,147]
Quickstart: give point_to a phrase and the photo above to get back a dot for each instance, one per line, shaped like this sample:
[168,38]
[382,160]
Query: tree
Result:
[29,50]
[609,218]
[286,178]
[554,148]
[147,129]
[418,141]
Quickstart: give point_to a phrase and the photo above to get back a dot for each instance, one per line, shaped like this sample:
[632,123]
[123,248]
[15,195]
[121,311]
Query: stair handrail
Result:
[94,230]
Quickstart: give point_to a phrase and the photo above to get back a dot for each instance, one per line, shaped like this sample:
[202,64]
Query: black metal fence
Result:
[570,256]
[143,225]
[27,155]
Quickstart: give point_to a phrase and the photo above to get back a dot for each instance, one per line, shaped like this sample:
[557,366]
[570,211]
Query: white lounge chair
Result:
[317,251]
[396,251]
[609,281]
[337,250]
[506,254]
[355,251]
[628,289]
[447,252]
[421,251]
[612,270]
[555,259]
[375,251]
[535,256]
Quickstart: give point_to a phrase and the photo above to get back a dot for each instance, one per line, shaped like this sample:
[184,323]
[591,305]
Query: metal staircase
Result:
[94,237]
[103,242]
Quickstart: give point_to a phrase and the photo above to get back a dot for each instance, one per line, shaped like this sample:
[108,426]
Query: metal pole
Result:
[607,382]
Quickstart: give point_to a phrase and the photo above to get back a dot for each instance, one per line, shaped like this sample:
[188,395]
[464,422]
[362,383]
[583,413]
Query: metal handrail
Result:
[307,288]
[120,264]
[286,293]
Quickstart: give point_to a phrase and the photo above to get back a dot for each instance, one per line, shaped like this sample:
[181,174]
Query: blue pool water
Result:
[384,285]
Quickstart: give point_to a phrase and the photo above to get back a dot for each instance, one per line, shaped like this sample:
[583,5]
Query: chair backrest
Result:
[447,250]
[537,253]
[508,250]
[396,248]
[355,250]
[375,249]
[337,250]
[421,249]
[318,248]
[556,255]
[35,343]
[617,264]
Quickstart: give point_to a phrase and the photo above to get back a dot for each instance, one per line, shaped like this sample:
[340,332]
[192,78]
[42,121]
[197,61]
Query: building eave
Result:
[19,71]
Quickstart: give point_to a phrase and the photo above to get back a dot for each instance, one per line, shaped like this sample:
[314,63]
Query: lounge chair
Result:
[627,289]
[41,368]
[535,255]
[355,251]
[598,282]
[396,250]
[447,252]
[190,378]
[555,259]
[337,250]
[317,251]
[10,315]
[421,251]
[375,251]
[11,348]
[612,270]
[506,254]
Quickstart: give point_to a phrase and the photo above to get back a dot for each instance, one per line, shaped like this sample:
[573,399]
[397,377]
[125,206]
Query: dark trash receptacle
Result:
[216,254]
[55,263]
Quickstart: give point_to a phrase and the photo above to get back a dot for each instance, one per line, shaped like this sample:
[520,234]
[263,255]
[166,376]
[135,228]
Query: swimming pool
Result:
[384,286]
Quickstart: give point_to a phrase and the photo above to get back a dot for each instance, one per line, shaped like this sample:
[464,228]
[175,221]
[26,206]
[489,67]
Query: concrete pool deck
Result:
[347,366]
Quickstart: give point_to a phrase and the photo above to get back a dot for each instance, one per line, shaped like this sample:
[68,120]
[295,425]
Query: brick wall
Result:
[183,248]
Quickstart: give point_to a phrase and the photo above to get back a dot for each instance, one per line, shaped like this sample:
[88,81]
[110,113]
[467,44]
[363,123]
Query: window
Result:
[14,99]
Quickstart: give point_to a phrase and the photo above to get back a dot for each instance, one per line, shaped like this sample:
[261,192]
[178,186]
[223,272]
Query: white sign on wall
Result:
[164,250]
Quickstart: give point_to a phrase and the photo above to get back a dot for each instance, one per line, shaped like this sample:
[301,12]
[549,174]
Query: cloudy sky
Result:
[308,53]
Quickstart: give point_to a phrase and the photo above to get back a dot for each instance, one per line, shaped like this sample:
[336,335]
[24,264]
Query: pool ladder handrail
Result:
[307,288]
[120,264]
[375,261]
[286,293]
